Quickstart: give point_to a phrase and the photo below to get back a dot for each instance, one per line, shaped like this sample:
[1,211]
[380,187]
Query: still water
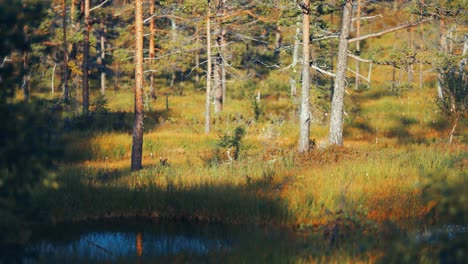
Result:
[161,242]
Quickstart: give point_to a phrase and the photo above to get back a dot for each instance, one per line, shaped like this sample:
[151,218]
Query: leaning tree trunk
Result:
[208,74]
[336,117]
[137,147]
[85,92]
[304,135]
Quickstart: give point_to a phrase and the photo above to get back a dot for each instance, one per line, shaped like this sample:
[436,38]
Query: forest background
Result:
[68,100]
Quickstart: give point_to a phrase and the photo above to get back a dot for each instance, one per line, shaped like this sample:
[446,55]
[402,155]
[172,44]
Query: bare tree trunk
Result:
[295,59]
[332,60]
[223,55]
[218,88]
[337,106]
[464,61]
[208,74]
[65,53]
[151,49]
[25,84]
[443,49]
[72,10]
[278,40]
[174,41]
[137,147]
[304,136]
[102,57]
[411,44]
[86,60]
[218,63]
[197,56]
[53,78]
[358,43]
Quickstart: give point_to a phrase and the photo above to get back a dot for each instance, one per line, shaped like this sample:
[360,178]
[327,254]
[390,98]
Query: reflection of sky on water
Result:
[111,245]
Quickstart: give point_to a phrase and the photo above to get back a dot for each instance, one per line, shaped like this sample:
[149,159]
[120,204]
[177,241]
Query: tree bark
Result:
[174,42]
[218,87]
[197,55]
[443,49]
[25,84]
[336,117]
[151,49]
[295,59]
[137,147]
[304,136]
[411,44]
[102,57]
[223,56]
[208,74]
[219,73]
[358,43]
[65,53]
[85,66]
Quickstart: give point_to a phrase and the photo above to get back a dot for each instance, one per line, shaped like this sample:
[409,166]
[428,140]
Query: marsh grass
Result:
[392,145]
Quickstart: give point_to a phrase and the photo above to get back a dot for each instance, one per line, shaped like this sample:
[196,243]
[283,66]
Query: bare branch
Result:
[367,17]
[359,75]
[326,37]
[359,58]
[164,16]
[378,34]
[98,6]
[323,71]
[6,59]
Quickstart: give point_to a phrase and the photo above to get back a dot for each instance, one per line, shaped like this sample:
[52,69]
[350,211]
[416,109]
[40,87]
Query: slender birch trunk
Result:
[65,53]
[85,66]
[208,74]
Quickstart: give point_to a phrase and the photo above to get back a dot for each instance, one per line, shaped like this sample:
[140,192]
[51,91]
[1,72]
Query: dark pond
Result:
[143,241]
[160,242]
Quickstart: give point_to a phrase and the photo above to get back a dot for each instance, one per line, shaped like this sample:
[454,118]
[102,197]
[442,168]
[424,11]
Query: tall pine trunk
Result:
[337,106]
[137,146]
[151,49]
[304,135]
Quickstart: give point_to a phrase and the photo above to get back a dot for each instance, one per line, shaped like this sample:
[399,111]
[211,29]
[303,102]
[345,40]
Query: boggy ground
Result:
[396,169]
